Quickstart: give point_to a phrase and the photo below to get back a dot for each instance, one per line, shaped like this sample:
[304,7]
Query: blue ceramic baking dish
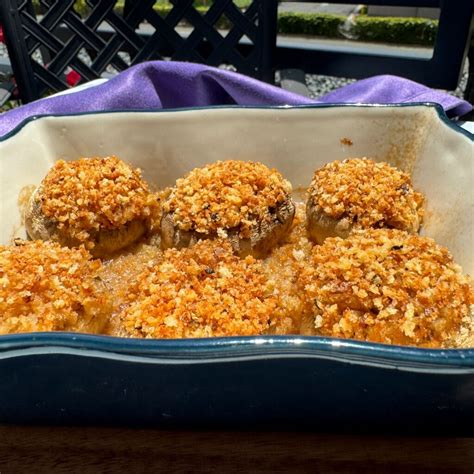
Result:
[279,382]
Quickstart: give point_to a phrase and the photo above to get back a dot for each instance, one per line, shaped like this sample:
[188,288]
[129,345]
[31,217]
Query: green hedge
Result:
[396,30]
[367,28]
[313,24]
[418,31]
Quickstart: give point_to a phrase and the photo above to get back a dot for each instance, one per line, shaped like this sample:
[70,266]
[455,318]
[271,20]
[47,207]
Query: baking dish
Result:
[280,381]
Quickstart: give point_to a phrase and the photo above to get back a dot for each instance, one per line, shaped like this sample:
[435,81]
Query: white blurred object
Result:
[348,28]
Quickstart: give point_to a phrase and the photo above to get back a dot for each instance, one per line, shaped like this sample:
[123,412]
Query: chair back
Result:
[46,43]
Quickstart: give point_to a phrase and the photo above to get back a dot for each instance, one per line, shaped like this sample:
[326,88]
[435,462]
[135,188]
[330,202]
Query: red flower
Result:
[72,78]
[2,36]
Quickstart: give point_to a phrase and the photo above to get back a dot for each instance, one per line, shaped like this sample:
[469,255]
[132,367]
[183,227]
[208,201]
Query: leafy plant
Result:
[396,30]
[366,28]
[11,104]
[315,24]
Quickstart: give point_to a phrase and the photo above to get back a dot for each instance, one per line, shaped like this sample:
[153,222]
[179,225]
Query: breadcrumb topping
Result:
[283,268]
[46,287]
[226,195]
[92,194]
[387,286]
[379,285]
[369,194]
[199,292]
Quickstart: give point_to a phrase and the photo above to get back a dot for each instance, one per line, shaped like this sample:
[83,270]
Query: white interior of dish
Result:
[295,140]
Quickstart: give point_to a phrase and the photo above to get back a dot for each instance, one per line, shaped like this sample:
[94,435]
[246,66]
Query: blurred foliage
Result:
[418,31]
[314,24]
[81,6]
[11,104]
[396,30]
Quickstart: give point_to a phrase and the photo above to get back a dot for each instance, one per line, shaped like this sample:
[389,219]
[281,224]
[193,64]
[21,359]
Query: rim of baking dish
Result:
[438,108]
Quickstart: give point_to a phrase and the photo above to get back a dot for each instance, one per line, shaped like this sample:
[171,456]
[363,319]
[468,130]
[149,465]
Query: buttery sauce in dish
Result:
[361,275]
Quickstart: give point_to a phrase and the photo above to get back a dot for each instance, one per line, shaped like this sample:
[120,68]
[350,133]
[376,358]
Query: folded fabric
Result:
[168,84]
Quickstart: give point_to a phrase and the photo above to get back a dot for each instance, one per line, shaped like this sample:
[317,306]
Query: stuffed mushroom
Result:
[244,202]
[359,193]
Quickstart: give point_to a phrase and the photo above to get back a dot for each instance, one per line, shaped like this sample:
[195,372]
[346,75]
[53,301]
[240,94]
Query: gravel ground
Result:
[321,85]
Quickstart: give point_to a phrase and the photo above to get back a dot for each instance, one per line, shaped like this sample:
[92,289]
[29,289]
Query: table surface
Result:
[59,449]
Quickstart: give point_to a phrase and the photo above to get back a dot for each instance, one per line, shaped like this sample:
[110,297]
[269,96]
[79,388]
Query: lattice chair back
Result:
[52,42]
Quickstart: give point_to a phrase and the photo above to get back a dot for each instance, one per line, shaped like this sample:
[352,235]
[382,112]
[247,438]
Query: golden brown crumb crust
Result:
[387,286]
[92,194]
[283,268]
[226,195]
[45,287]
[199,292]
[369,194]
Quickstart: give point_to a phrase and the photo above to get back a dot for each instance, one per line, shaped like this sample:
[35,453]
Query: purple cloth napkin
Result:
[168,84]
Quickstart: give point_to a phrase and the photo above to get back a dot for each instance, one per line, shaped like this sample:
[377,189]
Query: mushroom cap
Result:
[47,287]
[243,201]
[105,242]
[263,236]
[359,193]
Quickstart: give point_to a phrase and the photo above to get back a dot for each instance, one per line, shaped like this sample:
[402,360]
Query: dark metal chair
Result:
[42,47]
